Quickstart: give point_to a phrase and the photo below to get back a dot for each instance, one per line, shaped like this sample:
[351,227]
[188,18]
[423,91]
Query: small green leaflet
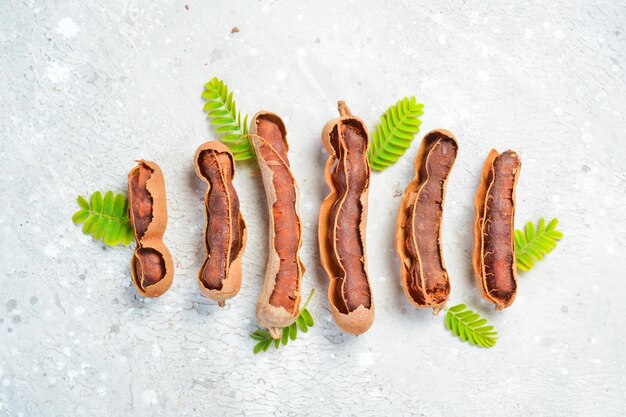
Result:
[222,112]
[303,322]
[393,135]
[105,218]
[534,243]
[470,327]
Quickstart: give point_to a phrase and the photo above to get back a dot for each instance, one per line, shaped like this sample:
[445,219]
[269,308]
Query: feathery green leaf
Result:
[308,318]
[393,135]
[470,327]
[223,115]
[303,321]
[293,331]
[258,347]
[533,244]
[105,218]
[302,324]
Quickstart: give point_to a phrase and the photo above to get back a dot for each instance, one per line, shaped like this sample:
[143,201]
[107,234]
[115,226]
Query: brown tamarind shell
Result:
[434,287]
[272,315]
[497,284]
[152,238]
[352,320]
[231,279]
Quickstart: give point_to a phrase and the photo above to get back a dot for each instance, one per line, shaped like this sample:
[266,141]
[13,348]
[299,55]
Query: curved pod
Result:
[342,222]
[225,233]
[418,229]
[278,305]
[152,268]
[494,247]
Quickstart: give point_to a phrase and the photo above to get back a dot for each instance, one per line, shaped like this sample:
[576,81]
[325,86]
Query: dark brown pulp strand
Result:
[141,200]
[269,129]
[429,279]
[350,175]
[286,221]
[222,208]
[497,230]
[149,267]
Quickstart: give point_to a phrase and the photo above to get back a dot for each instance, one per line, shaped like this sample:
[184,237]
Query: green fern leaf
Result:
[264,339]
[533,244]
[393,135]
[308,319]
[267,344]
[302,324]
[105,218]
[293,331]
[222,112]
[258,335]
[470,327]
[258,347]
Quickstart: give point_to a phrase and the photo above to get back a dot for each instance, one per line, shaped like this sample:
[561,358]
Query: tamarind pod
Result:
[343,220]
[494,248]
[423,272]
[225,233]
[152,267]
[278,305]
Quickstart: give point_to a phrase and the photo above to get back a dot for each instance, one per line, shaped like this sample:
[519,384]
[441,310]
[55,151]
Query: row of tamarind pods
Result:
[341,228]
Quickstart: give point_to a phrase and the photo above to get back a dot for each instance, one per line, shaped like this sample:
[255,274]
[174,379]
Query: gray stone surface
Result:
[88,87]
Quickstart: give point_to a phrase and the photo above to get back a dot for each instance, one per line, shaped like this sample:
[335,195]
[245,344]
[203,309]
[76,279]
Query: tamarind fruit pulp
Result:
[343,220]
[423,272]
[152,267]
[278,305]
[225,233]
[494,248]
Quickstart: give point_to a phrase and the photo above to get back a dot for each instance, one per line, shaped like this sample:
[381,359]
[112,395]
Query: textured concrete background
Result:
[88,87]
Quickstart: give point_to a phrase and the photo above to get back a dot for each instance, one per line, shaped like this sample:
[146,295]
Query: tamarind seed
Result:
[149,266]
[142,201]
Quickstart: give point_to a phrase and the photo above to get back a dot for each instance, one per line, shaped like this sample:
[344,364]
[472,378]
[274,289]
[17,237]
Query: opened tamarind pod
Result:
[225,233]
[494,247]
[152,268]
[278,305]
[418,229]
[342,222]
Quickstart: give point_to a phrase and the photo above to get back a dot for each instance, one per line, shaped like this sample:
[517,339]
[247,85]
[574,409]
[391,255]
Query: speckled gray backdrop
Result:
[88,87]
